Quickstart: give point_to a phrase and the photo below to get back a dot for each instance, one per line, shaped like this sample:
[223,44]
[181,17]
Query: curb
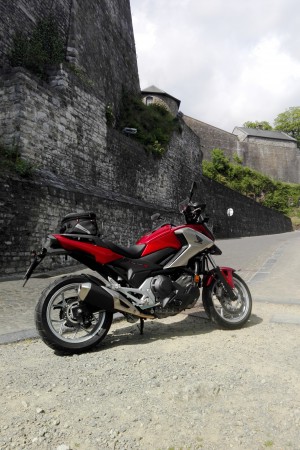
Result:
[16,336]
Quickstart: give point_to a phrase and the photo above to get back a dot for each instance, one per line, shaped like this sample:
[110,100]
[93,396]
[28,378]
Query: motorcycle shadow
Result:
[190,324]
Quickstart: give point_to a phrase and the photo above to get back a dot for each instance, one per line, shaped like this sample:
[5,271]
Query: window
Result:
[149,100]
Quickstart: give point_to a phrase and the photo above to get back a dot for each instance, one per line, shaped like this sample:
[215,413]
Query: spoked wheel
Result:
[66,324]
[224,311]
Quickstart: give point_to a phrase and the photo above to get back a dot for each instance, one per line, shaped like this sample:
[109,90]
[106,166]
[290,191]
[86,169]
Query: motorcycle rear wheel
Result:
[222,310]
[64,323]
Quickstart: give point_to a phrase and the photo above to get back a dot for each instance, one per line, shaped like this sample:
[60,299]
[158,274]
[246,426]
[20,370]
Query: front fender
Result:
[212,275]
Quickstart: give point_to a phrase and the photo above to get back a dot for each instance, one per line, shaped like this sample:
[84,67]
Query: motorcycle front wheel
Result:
[66,324]
[221,309]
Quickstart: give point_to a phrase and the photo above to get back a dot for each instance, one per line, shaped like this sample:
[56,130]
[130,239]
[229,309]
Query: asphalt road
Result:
[269,264]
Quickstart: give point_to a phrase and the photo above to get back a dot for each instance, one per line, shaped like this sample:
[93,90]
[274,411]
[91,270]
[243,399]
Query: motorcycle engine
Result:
[174,296]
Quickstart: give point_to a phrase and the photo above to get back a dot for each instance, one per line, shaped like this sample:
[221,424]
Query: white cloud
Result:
[227,62]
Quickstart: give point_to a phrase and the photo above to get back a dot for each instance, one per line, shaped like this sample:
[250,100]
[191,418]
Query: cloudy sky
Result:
[227,61]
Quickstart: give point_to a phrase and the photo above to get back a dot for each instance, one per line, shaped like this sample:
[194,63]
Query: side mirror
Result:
[229,212]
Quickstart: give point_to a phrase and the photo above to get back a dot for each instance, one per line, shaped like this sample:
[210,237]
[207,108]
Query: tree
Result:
[289,122]
[263,125]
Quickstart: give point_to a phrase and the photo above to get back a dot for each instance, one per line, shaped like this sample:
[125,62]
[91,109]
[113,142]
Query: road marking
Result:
[286,318]
[279,301]
[267,266]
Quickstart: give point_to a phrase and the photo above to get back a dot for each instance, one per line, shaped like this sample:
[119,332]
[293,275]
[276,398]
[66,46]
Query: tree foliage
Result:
[283,197]
[289,122]
[262,125]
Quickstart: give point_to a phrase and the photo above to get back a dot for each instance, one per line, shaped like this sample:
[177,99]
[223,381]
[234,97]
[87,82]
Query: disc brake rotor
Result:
[230,306]
[71,313]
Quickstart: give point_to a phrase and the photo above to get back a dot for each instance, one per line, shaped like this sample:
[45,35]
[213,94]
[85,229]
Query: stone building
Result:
[152,94]
[272,153]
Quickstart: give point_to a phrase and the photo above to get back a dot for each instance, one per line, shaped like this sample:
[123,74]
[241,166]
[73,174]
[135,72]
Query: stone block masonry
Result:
[279,160]
[64,131]
[85,166]
[30,210]
[98,36]
[81,164]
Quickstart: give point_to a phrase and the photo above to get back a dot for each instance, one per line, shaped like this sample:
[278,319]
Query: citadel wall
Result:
[278,160]
[213,137]
[98,36]
[32,209]
[81,163]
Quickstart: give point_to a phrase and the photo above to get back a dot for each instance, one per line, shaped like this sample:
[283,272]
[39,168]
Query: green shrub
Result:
[44,48]
[284,197]
[11,162]
[154,123]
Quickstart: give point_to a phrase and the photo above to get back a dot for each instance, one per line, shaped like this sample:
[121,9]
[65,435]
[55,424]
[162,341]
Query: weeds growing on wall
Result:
[39,51]
[154,123]
[284,197]
[80,74]
[11,162]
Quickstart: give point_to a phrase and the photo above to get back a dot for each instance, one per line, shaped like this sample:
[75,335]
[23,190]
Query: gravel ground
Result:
[184,384]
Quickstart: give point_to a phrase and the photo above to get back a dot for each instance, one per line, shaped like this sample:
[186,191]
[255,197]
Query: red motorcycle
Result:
[159,276]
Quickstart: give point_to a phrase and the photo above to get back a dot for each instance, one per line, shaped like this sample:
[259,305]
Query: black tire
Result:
[223,311]
[66,325]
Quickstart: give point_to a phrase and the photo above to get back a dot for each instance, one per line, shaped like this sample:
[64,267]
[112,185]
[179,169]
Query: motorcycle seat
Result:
[133,252]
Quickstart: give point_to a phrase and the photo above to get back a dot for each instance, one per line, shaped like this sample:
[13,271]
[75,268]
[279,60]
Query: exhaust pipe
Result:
[96,296]
[102,297]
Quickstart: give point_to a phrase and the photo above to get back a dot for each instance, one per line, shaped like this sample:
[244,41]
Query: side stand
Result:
[141,327]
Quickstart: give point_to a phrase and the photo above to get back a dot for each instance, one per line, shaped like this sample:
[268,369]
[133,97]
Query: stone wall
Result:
[159,181]
[30,210]
[60,130]
[105,43]
[212,137]
[65,133]
[81,164]
[278,160]
[98,36]
[22,15]
[249,218]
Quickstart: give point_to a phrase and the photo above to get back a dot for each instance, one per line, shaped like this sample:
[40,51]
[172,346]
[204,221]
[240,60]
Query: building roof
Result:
[155,90]
[255,132]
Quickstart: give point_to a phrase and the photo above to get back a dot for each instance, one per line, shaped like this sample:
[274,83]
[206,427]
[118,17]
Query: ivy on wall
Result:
[39,51]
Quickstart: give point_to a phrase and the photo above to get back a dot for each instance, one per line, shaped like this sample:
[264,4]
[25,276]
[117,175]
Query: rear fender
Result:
[212,275]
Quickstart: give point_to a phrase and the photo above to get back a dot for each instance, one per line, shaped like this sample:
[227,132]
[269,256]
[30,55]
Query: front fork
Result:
[222,274]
